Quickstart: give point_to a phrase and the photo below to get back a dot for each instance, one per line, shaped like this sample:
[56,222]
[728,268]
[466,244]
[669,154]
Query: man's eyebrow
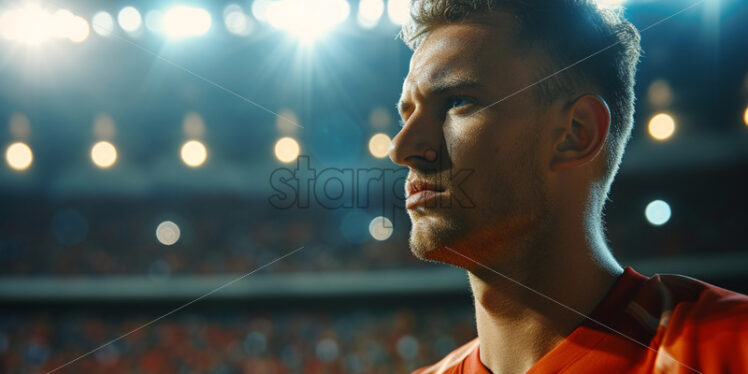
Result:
[453,84]
[442,85]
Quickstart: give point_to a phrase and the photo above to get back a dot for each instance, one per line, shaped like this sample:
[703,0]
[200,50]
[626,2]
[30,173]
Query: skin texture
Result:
[530,215]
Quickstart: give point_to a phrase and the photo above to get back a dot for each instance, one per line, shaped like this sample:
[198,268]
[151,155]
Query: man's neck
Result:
[522,315]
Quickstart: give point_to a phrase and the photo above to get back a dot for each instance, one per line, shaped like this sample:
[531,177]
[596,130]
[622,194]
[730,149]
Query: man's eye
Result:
[458,101]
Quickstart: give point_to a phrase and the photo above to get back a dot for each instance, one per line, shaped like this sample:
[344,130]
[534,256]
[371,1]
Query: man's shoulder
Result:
[695,300]
[454,362]
[705,306]
[700,324]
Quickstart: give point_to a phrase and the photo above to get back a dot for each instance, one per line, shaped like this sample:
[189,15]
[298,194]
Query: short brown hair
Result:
[601,43]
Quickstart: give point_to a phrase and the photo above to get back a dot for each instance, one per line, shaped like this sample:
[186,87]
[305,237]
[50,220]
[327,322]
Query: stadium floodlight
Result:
[185,21]
[78,29]
[287,149]
[610,4]
[237,22]
[369,13]
[33,25]
[102,23]
[661,126]
[19,156]
[168,233]
[103,154]
[194,153]
[307,20]
[260,9]
[66,25]
[30,25]
[657,212]
[379,145]
[397,11]
[129,19]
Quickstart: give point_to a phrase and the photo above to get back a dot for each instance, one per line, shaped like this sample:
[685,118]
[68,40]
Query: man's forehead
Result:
[446,49]
[458,52]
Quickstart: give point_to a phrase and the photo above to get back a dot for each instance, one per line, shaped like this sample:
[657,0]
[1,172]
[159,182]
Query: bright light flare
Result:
[102,23]
[308,20]
[167,233]
[745,116]
[19,156]
[287,149]
[610,4]
[33,25]
[194,153]
[369,13]
[78,30]
[237,22]
[185,21]
[661,126]
[103,154]
[129,19]
[379,145]
[398,11]
[657,212]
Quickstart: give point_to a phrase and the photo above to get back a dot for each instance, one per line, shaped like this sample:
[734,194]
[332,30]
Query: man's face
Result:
[483,170]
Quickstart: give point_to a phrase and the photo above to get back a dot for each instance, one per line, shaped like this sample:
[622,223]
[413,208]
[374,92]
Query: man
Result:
[535,100]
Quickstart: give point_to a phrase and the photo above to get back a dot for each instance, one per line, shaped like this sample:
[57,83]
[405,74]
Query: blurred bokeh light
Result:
[103,154]
[237,21]
[369,13]
[307,20]
[194,153]
[167,233]
[287,149]
[102,23]
[657,212]
[184,21]
[397,11]
[381,228]
[659,94]
[379,145]
[19,156]
[129,19]
[661,127]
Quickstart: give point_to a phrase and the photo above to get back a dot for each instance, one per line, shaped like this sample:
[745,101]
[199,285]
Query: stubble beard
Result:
[437,235]
[431,236]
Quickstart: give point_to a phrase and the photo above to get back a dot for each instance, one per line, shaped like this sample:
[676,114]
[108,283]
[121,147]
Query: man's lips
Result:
[420,192]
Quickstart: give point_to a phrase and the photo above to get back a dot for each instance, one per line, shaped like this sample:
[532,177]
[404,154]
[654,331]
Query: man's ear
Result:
[585,129]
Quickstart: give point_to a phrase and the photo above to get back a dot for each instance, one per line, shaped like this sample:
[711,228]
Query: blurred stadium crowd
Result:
[224,234]
[360,341]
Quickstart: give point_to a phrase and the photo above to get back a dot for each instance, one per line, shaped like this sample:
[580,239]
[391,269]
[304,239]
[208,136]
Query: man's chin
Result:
[431,242]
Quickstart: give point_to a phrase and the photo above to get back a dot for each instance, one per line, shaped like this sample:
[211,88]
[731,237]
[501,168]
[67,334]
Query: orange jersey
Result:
[663,324]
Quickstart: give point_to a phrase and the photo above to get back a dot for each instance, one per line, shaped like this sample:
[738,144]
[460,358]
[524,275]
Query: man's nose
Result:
[419,142]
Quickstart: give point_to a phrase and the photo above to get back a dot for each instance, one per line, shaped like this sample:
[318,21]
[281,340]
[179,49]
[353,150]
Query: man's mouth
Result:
[419,192]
